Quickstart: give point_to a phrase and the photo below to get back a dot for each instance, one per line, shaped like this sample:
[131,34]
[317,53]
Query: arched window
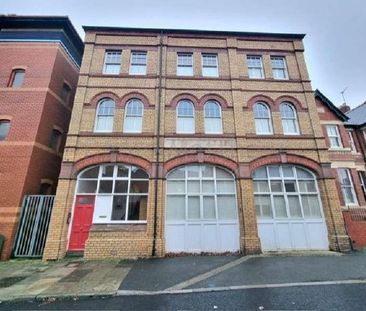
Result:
[105,116]
[133,116]
[289,119]
[121,192]
[262,116]
[213,118]
[185,117]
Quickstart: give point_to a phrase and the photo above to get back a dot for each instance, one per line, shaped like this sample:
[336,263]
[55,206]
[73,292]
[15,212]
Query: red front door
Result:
[81,222]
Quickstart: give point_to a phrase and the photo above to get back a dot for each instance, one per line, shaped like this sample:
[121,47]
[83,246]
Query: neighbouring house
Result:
[39,67]
[190,141]
[345,139]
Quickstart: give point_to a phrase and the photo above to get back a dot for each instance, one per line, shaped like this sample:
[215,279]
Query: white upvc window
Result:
[210,67]
[279,67]
[255,67]
[351,140]
[362,176]
[138,63]
[334,137]
[185,64]
[185,117]
[112,62]
[133,116]
[213,118]
[347,187]
[289,119]
[262,117]
[105,116]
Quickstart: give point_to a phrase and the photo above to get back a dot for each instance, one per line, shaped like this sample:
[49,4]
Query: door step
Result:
[75,254]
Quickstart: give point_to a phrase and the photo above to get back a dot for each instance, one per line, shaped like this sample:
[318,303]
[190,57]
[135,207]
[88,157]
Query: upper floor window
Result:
[348,190]
[105,116]
[213,118]
[289,119]
[185,117]
[262,116]
[138,63]
[255,67]
[4,129]
[55,141]
[210,66]
[362,176]
[185,64]
[351,141]
[133,116]
[334,137]
[65,93]
[17,78]
[279,68]
[112,62]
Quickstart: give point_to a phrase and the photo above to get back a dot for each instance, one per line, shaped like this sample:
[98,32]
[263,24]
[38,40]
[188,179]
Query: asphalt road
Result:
[330,297]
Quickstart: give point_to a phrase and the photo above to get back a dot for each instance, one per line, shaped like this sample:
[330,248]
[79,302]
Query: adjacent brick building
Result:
[188,141]
[39,67]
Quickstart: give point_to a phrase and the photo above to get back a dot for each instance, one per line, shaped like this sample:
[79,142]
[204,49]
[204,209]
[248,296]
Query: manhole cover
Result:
[7,282]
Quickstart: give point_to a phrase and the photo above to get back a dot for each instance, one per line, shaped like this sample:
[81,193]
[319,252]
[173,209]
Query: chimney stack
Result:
[344,108]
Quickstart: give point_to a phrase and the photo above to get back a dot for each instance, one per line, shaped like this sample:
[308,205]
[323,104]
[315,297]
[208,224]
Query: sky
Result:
[335,42]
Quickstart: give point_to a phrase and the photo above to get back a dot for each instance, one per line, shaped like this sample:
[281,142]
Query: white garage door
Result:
[201,210]
[289,212]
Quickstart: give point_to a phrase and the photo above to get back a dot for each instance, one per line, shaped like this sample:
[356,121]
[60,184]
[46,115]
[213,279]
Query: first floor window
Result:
[213,119]
[362,177]
[105,116]
[351,141]
[65,93]
[4,129]
[289,119]
[55,142]
[185,117]
[17,78]
[334,137]
[133,116]
[262,117]
[348,190]
[121,192]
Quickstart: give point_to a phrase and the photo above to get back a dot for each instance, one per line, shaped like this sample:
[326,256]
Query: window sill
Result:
[135,227]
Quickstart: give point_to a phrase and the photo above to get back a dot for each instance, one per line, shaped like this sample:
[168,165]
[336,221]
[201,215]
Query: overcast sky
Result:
[335,42]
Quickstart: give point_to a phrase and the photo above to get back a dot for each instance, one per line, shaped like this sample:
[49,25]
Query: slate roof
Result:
[357,116]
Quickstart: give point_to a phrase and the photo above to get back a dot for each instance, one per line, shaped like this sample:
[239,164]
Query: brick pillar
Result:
[250,241]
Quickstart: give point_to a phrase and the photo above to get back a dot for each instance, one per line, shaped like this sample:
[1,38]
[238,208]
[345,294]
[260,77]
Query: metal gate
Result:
[33,225]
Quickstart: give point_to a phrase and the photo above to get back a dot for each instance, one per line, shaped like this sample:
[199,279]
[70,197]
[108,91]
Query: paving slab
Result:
[161,273]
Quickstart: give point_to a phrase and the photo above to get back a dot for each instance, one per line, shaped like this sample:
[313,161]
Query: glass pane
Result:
[263,206]
[105,186]
[119,207]
[225,186]
[226,207]
[139,186]
[307,186]
[348,195]
[287,171]
[276,186]
[137,207]
[260,173]
[294,206]
[87,186]
[176,186]
[107,170]
[122,171]
[121,186]
[223,174]
[310,204]
[177,173]
[261,186]
[193,207]
[176,207]
[18,78]
[274,171]
[193,171]
[90,173]
[138,173]
[209,207]
[4,129]
[193,186]
[207,171]
[290,186]
[208,186]
[303,174]
[280,206]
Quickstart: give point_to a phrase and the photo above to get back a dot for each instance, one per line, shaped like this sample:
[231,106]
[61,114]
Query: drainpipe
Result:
[157,150]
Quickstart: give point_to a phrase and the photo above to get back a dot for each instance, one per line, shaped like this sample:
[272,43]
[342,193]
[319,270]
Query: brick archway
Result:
[200,158]
[98,97]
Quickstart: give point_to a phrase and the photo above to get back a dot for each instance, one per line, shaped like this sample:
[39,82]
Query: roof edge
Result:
[330,105]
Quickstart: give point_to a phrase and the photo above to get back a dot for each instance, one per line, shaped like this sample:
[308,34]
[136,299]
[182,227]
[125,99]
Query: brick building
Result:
[186,141]
[39,67]
[345,138]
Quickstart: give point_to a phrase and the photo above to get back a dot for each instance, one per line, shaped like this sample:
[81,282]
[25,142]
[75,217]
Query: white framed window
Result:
[255,67]
[184,64]
[210,67]
[138,63]
[4,129]
[121,192]
[133,116]
[105,116]
[351,141]
[262,117]
[213,117]
[185,117]
[362,176]
[279,67]
[289,119]
[112,62]
[348,190]
[334,137]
